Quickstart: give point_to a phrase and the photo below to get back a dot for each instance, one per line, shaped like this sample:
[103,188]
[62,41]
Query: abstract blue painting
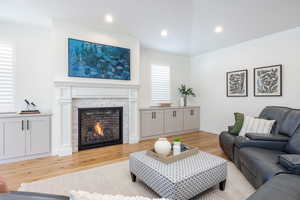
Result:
[92,60]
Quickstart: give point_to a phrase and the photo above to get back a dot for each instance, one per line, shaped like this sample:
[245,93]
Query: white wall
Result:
[179,66]
[208,77]
[33,68]
[42,57]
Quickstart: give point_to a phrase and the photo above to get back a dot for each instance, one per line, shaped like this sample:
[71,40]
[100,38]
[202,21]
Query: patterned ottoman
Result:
[182,179]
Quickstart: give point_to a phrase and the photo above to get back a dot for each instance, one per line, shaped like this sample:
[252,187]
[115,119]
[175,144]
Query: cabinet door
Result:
[173,120]
[38,132]
[191,119]
[14,138]
[1,139]
[152,123]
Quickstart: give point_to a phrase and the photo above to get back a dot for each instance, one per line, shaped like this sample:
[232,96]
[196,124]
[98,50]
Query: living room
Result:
[171,99]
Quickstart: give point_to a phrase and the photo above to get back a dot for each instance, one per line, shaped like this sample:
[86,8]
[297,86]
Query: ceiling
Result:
[190,23]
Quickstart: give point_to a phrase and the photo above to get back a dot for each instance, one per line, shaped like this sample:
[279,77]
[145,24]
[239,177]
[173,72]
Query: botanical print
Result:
[91,60]
[237,83]
[267,81]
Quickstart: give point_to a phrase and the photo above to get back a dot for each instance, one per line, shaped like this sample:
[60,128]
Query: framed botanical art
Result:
[268,81]
[237,83]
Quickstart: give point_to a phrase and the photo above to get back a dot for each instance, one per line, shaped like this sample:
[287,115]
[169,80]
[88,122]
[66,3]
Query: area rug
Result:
[115,179]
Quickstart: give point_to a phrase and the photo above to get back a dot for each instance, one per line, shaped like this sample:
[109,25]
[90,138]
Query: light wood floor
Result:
[32,170]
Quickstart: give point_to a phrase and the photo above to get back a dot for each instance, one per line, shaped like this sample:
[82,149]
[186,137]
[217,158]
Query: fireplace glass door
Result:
[99,127]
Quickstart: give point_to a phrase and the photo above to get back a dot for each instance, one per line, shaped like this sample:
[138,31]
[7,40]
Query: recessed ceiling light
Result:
[109,18]
[219,29]
[164,33]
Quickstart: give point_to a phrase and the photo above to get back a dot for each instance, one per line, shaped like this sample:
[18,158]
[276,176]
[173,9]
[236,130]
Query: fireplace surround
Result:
[72,95]
[97,127]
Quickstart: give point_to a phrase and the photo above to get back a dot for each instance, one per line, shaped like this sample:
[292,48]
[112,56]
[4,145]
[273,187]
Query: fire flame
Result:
[98,129]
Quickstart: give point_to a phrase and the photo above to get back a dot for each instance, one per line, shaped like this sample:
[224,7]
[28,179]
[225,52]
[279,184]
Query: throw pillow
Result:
[239,120]
[81,195]
[255,125]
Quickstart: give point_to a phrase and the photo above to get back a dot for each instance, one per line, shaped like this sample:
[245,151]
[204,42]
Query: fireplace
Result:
[99,127]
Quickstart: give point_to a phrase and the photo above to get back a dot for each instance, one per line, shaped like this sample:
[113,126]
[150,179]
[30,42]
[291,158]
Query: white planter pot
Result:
[162,146]
[181,102]
[177,143]
[176,148]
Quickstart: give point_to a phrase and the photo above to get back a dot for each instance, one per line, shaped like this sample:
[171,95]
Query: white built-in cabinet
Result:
[158,122]
[24,137]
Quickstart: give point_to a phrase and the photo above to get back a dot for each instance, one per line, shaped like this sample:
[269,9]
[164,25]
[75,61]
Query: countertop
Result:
[166,108]
[16,115]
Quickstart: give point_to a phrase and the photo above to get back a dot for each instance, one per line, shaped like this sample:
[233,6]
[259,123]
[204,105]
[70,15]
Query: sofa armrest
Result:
[283,186]
[16,195]
[267,137]
[3,186]
[229,129]
[242,142]
[291,162]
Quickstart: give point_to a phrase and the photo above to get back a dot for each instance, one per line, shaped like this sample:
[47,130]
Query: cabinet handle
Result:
[27,124]
[174,113]
[22,125]
[154,115]
[192,112]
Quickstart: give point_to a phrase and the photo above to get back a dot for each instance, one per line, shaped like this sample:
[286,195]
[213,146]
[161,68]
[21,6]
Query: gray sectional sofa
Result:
[258,156]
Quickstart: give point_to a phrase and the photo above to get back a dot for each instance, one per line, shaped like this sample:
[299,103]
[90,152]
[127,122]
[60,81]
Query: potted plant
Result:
[185,92]
[177,141]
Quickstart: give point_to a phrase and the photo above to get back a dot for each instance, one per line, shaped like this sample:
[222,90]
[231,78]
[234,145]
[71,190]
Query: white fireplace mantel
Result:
[66,91]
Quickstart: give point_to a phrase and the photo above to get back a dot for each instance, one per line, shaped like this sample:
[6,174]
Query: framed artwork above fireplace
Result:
[93,60]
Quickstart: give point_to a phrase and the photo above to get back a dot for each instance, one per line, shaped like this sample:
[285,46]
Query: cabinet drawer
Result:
[191,119]
[173,120]
[152,123]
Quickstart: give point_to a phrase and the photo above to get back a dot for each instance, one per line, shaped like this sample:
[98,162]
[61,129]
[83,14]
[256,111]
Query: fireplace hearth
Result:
[99,127]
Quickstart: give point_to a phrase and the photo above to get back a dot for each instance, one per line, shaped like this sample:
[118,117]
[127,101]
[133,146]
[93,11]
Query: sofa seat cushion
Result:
[261,163]
[227,143]
[284,186]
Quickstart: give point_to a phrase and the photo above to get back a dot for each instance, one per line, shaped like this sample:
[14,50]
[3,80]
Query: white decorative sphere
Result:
[162,146]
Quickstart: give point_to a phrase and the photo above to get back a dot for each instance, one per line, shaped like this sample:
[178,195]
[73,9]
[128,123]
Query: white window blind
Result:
[7,78]
[160,84]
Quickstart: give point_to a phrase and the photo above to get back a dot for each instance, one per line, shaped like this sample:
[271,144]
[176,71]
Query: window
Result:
[160,84]
[7,78]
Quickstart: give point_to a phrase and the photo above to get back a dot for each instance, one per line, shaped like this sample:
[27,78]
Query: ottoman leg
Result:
[133,177]
[222,185]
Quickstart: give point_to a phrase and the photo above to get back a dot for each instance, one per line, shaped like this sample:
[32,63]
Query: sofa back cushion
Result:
[290,123]
[293,145]
[275,113]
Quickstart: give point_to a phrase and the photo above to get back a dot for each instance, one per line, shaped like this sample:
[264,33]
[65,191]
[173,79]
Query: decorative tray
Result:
[186,151]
